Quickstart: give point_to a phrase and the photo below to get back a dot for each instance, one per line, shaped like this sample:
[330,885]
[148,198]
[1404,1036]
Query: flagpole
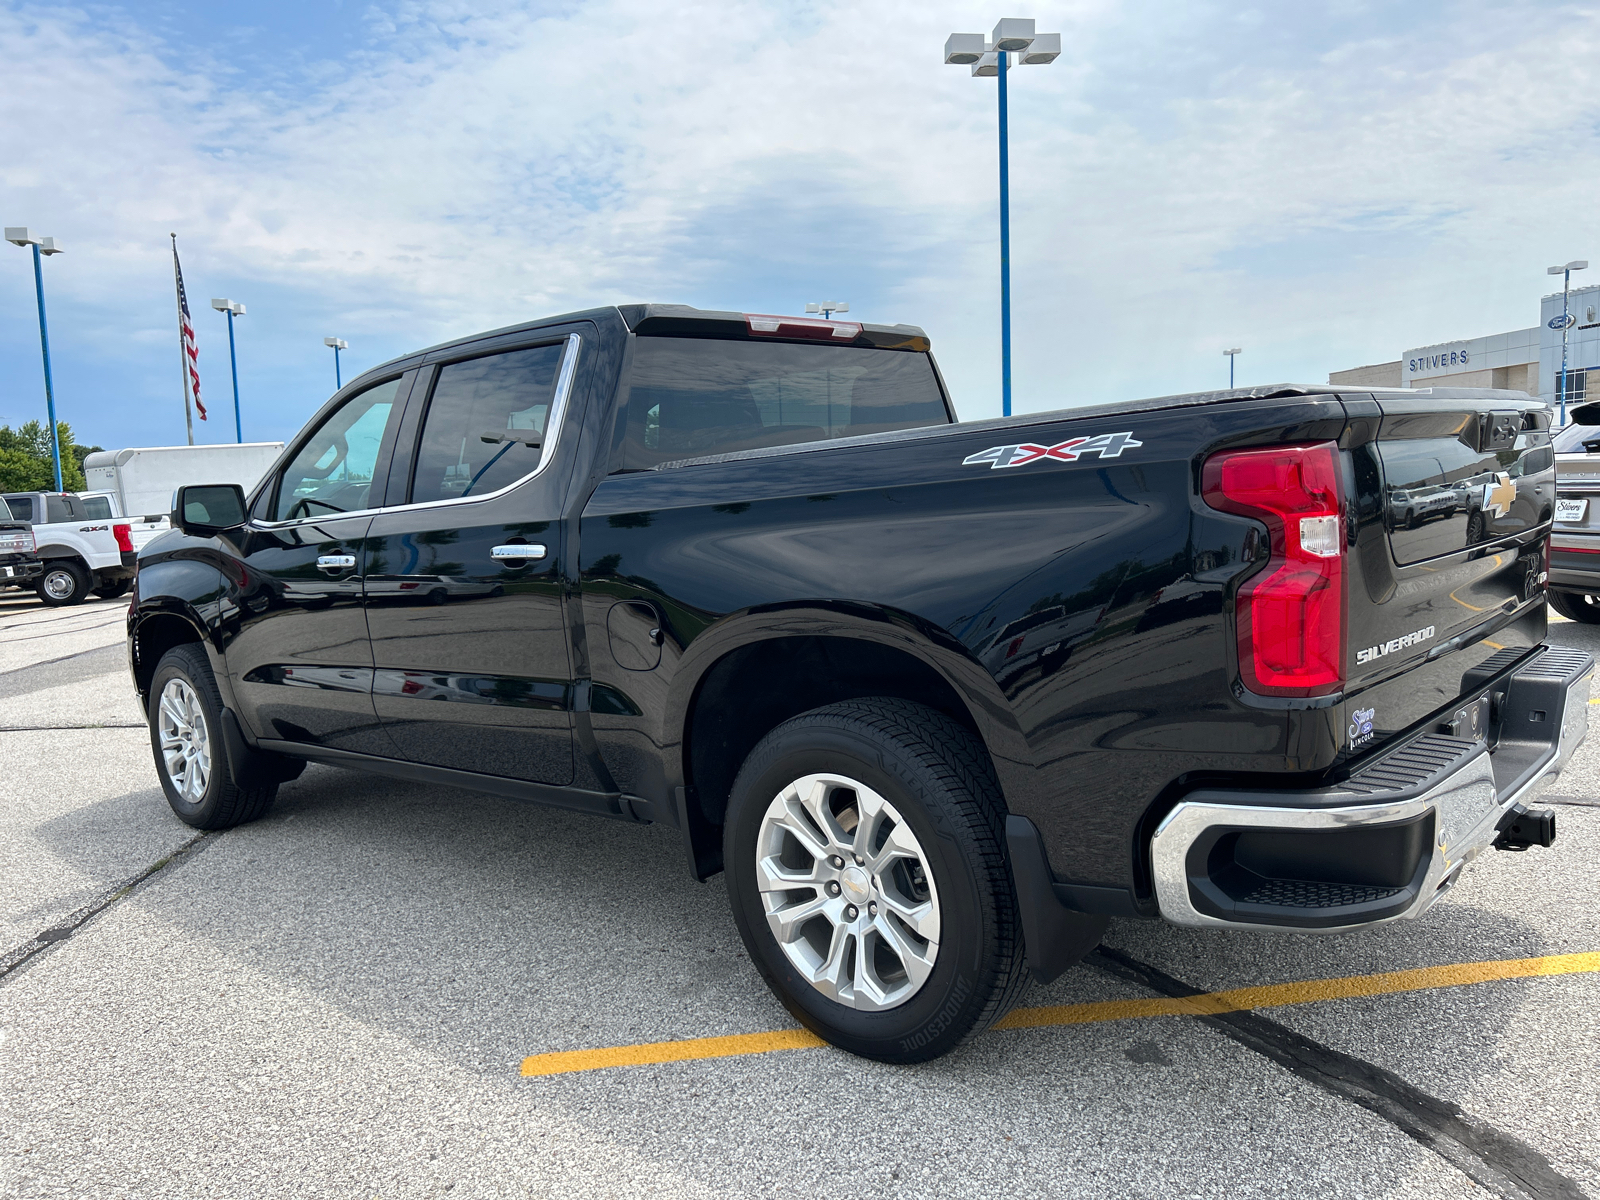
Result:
[183,354]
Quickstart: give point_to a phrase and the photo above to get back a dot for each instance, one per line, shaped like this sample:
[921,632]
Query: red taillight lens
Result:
[801,327]
[1291,616]
[124,538]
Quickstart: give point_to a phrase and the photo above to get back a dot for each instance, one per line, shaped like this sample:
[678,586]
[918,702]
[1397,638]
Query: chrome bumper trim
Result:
[1468,806]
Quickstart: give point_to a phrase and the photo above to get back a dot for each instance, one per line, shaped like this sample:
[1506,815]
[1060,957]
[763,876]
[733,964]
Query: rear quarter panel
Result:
[1078,605]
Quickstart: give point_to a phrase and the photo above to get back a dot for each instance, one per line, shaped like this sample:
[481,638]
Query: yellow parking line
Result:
[1238,1000]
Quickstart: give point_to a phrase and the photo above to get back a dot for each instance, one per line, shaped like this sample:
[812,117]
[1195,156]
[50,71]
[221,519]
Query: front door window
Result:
[333,471]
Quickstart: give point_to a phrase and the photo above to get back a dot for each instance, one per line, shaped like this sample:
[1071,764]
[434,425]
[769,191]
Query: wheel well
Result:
[51,553]
[756,688]
[153,637]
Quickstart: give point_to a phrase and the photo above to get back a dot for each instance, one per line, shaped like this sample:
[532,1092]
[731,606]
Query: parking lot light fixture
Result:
[233,310]
[337,345]
[46,246]
[1232,354]
[1012,35]
[1565,271]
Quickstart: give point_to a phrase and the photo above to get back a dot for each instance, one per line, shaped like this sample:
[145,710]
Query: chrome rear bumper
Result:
[1385,844]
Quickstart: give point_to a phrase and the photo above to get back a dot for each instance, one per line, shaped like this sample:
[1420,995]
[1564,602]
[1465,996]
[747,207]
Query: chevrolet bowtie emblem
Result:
[1499,495]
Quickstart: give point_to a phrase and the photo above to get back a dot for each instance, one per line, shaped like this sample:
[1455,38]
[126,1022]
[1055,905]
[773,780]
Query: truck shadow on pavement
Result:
[480,931]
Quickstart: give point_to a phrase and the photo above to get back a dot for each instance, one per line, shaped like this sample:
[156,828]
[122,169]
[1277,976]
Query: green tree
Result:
[26,460]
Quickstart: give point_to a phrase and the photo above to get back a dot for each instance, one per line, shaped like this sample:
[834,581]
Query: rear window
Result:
[96,508]
[689,397]
[1571,439]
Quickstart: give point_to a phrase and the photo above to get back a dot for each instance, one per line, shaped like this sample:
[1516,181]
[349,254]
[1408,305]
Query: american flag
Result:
[191,351]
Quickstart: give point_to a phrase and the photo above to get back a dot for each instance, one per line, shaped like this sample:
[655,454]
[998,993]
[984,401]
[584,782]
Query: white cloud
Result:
[1322,188]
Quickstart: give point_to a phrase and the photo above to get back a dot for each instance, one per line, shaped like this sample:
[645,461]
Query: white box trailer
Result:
[143,479]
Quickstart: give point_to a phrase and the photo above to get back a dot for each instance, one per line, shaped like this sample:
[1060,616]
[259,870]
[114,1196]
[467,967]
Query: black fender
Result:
[188,589]
[898,630]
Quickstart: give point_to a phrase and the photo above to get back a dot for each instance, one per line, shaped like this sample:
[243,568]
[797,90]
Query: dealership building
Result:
[1523,360]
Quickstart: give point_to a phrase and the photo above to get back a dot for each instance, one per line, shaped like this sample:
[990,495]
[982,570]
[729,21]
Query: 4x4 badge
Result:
[1106,445]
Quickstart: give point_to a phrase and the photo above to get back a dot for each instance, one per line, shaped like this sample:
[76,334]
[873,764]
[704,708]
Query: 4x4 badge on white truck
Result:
[1106,445]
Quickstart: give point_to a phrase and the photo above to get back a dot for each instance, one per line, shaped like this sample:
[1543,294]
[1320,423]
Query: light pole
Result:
[1011,36]
[338,344]
[828,307]
[43,245]
[233,310]
[1232,354]
[1566,323]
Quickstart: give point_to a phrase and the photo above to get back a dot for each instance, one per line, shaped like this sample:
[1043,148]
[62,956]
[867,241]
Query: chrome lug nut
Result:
[872,909]
[838,863]
[833,888]
[852,912]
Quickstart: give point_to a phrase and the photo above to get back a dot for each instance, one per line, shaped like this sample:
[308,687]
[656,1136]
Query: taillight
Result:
[801,327]
[1291,616]
[124,538]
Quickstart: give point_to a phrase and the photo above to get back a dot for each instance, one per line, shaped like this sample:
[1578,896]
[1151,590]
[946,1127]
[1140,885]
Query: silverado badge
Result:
[1106,445]
[1499,495]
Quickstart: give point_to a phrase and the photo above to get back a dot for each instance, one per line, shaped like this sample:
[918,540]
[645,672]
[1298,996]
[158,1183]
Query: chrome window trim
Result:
[558,415]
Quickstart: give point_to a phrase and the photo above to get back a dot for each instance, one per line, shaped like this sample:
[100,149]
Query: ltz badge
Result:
[1106,445]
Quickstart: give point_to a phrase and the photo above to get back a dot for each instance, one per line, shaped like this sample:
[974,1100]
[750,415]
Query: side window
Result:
[486,423]
[21,508]
[333,471]
[60,509]
[96,508]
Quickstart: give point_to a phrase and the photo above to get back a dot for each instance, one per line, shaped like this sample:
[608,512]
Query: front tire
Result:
[865,852]
[1576,607]
[186,736]
[63,582]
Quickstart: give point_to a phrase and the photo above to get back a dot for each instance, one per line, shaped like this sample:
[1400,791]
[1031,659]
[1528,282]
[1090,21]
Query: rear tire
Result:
[1576,607]
[110,591]
[186,737]
[63,582]
[914,794]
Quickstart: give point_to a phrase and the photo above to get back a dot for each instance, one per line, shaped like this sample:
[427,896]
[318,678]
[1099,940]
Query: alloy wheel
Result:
[848,892]
[185,740]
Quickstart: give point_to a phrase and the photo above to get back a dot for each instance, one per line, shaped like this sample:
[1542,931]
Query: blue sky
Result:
[1323,185]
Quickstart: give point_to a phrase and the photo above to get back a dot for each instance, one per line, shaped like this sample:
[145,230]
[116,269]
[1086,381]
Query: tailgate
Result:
[142,529]
[1455,492]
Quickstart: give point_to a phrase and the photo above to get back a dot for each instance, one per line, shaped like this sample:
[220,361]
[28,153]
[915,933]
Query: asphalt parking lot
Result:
[342,999]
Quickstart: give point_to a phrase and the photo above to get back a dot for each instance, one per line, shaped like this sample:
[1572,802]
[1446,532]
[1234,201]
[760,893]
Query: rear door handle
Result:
[335,562]
[521,553]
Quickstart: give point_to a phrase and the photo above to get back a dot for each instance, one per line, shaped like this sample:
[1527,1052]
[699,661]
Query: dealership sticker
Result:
[1106,445]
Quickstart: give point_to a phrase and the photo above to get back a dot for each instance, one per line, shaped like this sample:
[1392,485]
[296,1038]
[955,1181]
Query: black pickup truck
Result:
[940,699]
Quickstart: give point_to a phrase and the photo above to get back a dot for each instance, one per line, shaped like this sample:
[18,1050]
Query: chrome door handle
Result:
[522,553]
[335,562]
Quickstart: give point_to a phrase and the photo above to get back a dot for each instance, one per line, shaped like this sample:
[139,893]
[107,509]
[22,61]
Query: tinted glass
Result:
[1571,439]
[96,508]
[21,508]
[60,509]
[693,396]
[5,511]
[334,469]
[219,506]
[485,423]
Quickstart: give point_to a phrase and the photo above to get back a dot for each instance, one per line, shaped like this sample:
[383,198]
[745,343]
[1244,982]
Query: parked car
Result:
[1575,542]
[107,506]
[20,566]
[81,553]
[940,699]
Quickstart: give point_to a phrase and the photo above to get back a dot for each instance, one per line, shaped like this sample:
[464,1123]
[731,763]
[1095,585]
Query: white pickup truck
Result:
[81,552]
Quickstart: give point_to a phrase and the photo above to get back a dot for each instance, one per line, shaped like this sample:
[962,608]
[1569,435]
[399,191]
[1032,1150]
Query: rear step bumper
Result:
[1387,842]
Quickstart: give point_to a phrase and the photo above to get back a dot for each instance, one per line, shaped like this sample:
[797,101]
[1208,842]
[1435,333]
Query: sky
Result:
[1322,185]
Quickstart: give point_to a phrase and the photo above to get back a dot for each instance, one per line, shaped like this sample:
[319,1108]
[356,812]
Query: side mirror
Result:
[1585,414]
[203,509]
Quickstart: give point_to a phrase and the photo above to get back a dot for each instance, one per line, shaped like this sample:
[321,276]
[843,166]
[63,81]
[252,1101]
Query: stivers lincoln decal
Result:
[1106,445]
